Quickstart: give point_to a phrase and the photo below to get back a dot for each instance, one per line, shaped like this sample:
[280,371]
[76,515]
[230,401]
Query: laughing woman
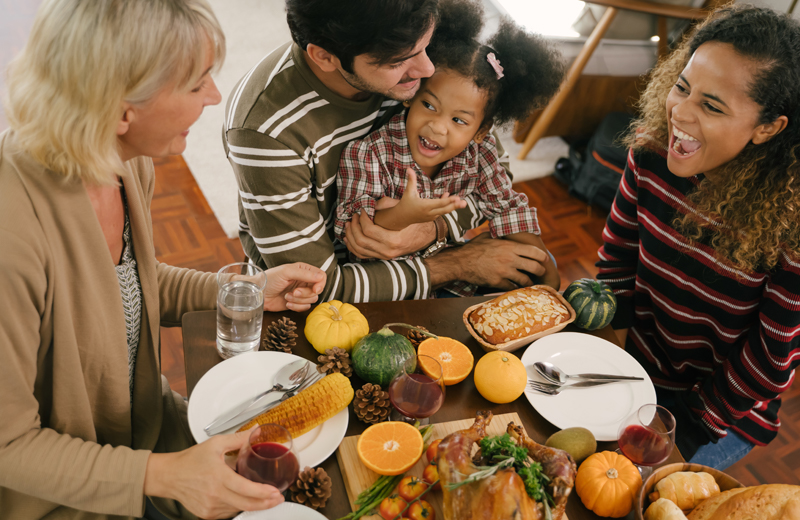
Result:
[702,247]
[89,426]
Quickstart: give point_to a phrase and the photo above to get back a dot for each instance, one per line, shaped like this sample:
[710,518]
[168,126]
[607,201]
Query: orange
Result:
[454,357]
[390,448]
[500,377]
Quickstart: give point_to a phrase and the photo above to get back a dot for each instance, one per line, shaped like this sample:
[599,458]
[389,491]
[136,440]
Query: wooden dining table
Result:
[440,316]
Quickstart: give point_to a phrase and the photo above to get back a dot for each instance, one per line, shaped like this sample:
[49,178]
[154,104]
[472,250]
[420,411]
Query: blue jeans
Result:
[725,453]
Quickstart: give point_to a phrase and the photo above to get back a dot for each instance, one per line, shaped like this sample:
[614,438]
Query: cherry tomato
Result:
[411,487]
[431,475]
[391,507]
[433,451]
[421,510]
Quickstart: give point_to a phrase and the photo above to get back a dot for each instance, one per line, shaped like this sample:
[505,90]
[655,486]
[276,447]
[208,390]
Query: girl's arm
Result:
[619,255]
[414,210]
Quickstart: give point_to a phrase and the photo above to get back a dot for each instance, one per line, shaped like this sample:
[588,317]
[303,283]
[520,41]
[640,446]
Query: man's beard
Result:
[364,86]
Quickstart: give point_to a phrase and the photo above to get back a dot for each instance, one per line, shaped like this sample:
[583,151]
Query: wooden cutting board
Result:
[358,477]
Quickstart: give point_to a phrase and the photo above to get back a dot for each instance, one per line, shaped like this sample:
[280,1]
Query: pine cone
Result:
[416,337]
[335,360]
[372,404]
[279,335]
[312,488]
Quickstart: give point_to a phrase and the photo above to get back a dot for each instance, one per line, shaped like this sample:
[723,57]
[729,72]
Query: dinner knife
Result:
[258,407]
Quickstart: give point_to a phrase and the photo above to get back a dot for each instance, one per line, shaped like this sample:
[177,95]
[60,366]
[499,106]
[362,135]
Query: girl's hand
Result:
[419,210]
[293,286]
[199,478]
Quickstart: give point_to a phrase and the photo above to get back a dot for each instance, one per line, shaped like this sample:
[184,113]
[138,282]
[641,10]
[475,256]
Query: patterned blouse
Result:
[131,290]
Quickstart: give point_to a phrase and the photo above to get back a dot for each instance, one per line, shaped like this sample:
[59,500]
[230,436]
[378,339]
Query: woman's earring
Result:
[407,103]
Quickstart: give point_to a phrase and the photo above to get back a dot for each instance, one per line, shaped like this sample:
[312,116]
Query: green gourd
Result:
[378,357]
[593,301]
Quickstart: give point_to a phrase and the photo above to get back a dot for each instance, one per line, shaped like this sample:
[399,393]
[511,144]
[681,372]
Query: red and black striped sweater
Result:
[728,340]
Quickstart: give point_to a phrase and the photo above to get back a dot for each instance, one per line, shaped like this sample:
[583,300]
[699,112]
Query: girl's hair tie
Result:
[495,63]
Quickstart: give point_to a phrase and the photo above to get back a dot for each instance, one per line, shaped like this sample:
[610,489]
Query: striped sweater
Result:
[725,339]
[284,132]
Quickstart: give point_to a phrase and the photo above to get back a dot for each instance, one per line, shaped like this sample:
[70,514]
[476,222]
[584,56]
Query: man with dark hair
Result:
[287,121]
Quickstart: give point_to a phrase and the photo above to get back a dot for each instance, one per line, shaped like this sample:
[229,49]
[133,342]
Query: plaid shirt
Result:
[375,167]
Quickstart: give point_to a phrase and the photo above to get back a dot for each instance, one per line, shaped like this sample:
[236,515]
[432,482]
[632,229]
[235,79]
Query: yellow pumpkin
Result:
[607,483]
[335,324]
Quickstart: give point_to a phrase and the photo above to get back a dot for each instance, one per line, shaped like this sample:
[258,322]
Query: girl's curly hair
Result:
[533,69]
[754,202]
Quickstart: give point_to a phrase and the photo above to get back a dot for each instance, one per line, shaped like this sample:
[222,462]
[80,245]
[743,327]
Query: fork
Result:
[251,412]
[549,389]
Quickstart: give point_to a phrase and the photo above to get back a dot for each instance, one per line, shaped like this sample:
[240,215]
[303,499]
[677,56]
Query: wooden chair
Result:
[663,11]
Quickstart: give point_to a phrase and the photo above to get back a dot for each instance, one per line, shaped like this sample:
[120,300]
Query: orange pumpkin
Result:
[607,483]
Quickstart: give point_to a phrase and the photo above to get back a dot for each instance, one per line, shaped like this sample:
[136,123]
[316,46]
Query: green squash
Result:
[380,356]
[593,301]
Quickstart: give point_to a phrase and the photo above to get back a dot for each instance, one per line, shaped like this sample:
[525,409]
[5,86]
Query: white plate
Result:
[285,511]
[239,377]
[599,409]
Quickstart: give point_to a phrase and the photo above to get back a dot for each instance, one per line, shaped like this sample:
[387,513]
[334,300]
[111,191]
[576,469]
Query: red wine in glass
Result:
[643,445]
[647,437]
[416,395]
[268,457]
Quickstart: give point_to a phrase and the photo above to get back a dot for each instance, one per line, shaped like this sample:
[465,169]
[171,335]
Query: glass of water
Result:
[240,308]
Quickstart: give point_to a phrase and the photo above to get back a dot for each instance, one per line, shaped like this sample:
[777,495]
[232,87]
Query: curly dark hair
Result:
[533,69]
[385,30]
[756,196]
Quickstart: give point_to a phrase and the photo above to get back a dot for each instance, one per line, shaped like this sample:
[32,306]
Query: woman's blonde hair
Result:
[749,213]
[84,58]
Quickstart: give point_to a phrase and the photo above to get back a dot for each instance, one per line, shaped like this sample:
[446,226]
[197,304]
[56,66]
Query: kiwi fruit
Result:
[578,442]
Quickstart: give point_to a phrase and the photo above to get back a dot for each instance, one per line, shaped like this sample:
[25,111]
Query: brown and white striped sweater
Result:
[283,135]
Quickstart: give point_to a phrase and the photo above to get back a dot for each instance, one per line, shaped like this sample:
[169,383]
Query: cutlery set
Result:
[290,380]
[557,379]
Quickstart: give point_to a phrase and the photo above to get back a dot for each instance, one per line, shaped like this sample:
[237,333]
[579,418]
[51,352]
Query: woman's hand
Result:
[293,286]
[200,479]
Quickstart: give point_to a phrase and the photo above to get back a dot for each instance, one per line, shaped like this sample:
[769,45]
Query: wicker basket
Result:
[510,346]
[641,502]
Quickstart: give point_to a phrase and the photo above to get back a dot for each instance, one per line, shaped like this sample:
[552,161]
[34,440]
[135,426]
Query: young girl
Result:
[702,247]
[438,155]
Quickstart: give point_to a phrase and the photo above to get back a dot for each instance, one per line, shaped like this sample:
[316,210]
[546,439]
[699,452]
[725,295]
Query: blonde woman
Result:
[89,426]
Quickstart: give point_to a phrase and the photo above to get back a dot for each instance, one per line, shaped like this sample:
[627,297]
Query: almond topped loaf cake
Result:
[518,314]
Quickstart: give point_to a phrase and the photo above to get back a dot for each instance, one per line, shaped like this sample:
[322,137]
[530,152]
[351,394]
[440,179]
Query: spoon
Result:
[558,377]
[287,379]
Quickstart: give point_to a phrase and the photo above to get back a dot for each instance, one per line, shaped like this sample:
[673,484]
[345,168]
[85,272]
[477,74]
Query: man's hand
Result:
[488,262]
[293,286]
[199,478]
[367,240]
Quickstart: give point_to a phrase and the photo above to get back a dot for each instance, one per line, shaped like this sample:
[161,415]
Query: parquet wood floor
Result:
[187,234]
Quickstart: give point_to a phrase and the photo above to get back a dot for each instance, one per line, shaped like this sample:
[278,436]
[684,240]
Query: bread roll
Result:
[663,509]
[518,314]
[767,502]
[685,488]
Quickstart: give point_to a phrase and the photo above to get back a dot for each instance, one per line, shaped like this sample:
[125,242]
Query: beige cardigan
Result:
[68,440]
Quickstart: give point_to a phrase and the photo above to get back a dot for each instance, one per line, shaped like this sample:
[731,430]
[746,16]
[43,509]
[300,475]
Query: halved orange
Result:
[454,357]
[390,448]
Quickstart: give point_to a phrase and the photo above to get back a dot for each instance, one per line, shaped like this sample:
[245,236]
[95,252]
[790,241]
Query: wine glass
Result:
[416,394]
[647,437]
[268,457]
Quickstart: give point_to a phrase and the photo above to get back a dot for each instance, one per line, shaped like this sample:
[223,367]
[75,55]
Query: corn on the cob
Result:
[309,408]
